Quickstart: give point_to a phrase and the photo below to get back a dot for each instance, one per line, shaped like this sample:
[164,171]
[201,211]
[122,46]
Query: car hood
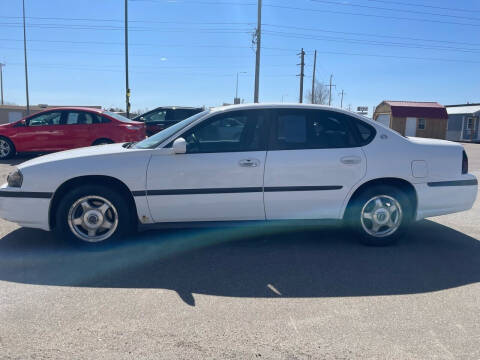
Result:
[76,153]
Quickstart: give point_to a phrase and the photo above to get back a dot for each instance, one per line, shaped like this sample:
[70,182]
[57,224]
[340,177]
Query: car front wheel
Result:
[92,214]
[7,149]
[380,215]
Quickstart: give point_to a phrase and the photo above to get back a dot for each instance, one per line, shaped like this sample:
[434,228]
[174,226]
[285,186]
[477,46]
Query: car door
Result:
[42,132]
[76,130]
[220,178]
[312,163]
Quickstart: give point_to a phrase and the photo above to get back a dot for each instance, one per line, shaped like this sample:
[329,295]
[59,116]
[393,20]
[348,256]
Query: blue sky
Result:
[188,52]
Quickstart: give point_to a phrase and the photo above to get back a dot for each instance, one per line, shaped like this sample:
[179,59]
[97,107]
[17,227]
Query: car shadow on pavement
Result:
[249,262]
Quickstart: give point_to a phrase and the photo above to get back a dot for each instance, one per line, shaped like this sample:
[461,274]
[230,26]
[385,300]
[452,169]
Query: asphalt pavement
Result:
[244,293]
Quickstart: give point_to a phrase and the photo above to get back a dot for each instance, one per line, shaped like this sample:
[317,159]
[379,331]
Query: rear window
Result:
[117,117]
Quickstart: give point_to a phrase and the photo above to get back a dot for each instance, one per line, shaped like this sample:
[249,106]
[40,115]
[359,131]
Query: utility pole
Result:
[127,88]
[313,76]
[237,100]
[258,39]
[341,101]
[1,82]
[302,74]
[330,93]
[25,56]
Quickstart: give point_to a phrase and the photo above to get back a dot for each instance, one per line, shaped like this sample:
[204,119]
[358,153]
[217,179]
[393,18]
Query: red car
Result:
[67,128]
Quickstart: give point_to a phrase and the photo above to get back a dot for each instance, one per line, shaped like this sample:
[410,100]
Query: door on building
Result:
[384,119]
[470,128]
[411,126]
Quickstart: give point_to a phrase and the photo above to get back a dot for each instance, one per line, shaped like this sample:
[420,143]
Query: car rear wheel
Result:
[380,215]
[7,149]
[92,214]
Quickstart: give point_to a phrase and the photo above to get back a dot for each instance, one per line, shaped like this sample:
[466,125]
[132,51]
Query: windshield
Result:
[117,116]
[158,138]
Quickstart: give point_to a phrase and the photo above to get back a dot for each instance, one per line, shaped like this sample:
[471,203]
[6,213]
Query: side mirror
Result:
[142,119]
[179,146]
[21,123]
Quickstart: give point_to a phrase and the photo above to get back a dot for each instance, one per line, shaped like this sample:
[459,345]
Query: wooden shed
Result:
[412,118]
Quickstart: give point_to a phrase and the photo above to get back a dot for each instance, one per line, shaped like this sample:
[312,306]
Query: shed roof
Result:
[428,109]
[463,109]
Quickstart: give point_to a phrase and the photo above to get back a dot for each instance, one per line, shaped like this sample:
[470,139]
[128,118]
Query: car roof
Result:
[79,108]
[179,107]
[281,106]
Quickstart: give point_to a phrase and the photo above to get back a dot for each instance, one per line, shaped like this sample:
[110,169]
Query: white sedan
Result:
[245,163]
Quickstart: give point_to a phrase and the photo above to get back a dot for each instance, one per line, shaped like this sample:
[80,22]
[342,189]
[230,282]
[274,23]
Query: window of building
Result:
[470,124]
[422,124]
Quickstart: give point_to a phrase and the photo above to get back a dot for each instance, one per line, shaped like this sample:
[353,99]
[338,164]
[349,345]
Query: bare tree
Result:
[321,94]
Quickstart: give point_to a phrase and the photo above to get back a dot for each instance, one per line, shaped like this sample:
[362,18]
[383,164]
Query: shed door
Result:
[411,126]
[384,119]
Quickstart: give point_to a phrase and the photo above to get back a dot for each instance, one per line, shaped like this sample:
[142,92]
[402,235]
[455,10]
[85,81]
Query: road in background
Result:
[245,293]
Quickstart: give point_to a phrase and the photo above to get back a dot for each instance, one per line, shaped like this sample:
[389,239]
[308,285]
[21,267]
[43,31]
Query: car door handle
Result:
[249,163]
[351,160]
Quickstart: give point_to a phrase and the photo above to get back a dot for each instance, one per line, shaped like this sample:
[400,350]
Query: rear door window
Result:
[311,129]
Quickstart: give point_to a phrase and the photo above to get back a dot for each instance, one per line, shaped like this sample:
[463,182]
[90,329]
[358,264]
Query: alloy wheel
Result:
[381,216]
[93,218]
[5,148]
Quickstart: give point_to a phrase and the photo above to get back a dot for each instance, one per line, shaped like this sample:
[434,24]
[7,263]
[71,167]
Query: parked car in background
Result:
[67,128]
[246,162]
[164,117]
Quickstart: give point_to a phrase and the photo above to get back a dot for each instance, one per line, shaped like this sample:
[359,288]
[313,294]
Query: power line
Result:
[369,42]
[371,34]
[392,9]
[159,54]
[425,6]
[100,27]
[131,21]
[369,15]
[399,57]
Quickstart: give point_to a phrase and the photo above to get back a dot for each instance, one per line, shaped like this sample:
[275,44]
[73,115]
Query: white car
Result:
[245,163]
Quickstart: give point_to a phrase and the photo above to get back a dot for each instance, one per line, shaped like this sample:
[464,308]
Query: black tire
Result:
[124,214]
[363,199]
[11,148]
[102,142]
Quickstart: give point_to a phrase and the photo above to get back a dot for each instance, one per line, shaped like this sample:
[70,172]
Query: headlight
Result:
[15,178]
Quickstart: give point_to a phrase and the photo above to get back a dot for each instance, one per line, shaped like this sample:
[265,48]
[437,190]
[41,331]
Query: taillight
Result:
[464,163]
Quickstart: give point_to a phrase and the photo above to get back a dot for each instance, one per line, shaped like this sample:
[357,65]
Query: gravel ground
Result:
[244,293]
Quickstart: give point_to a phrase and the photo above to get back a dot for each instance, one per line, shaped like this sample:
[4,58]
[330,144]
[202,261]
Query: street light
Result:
[236,91]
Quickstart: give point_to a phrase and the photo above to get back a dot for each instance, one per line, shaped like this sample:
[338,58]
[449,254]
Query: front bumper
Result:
[16,206]
[446,197]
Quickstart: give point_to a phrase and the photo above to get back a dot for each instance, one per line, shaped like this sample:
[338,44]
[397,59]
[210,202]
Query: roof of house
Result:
[463,109]
[429,109]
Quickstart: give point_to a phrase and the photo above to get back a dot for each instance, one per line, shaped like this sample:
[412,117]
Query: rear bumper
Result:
[18,207]
[446,197]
